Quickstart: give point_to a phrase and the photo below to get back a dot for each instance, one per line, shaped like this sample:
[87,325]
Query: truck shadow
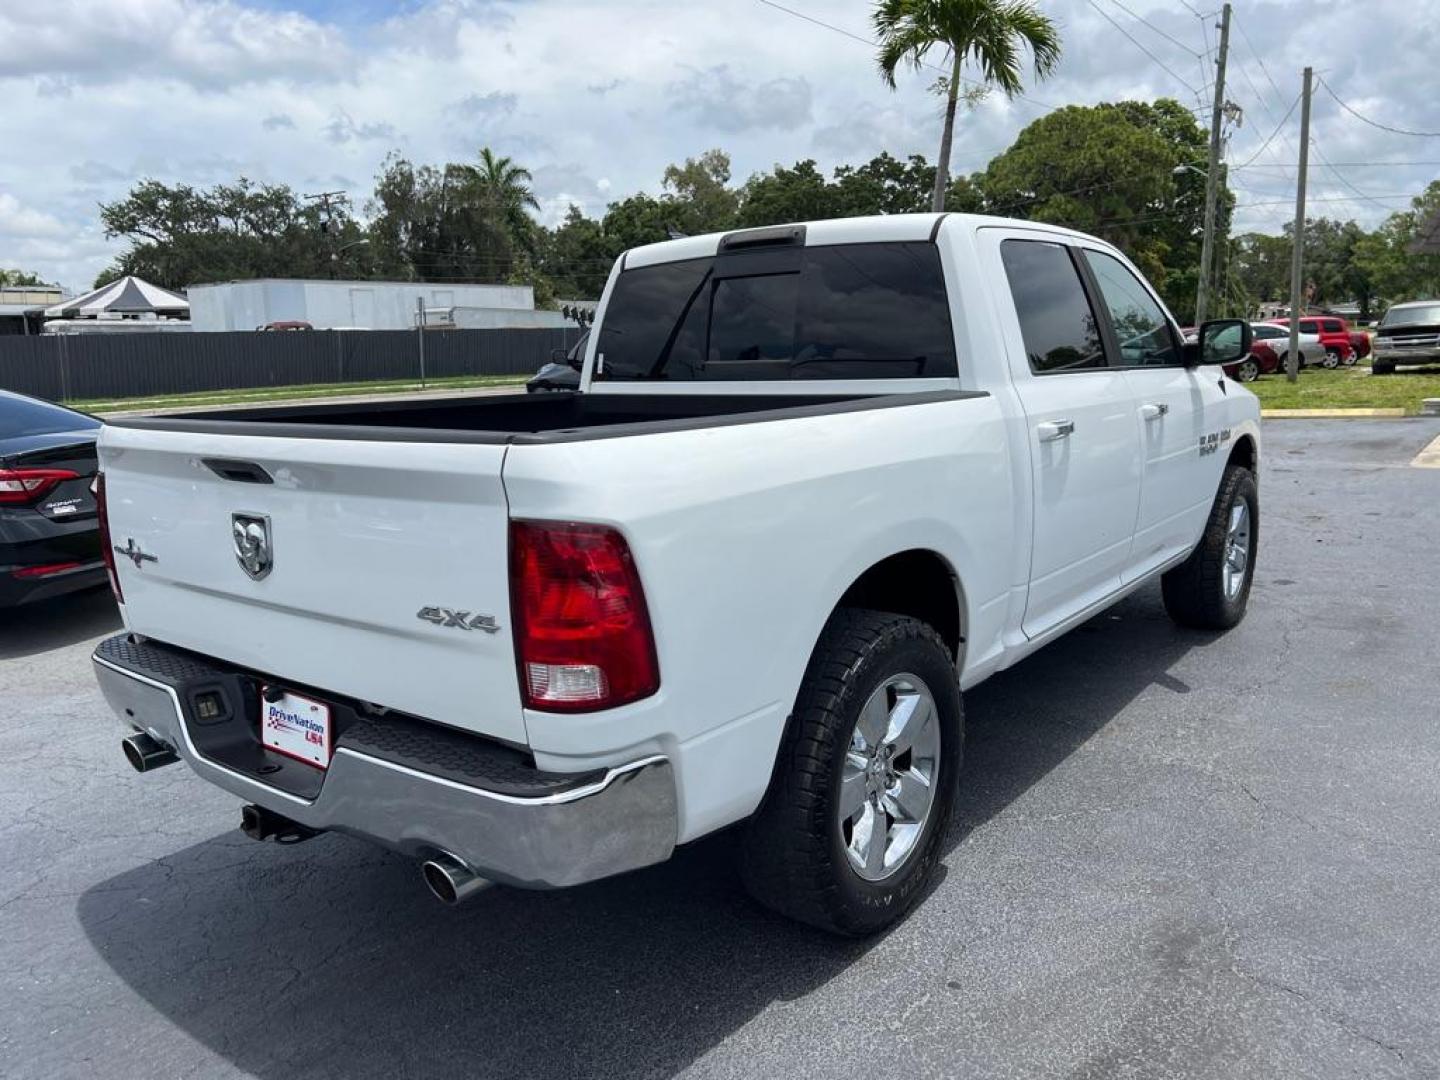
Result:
[330,959]
[36,628]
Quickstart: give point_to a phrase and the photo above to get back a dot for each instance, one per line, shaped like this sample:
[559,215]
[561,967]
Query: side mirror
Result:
[1220,341]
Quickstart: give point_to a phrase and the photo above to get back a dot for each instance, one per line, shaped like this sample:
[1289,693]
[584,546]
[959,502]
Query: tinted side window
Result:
[647,304]
[874,311]
[1309,326]
[1332,326]
[1059,328]
[1144,331]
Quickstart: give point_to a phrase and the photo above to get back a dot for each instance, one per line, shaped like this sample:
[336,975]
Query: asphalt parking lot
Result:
[1176,855]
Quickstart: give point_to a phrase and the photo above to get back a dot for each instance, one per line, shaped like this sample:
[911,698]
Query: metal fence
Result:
[80,367]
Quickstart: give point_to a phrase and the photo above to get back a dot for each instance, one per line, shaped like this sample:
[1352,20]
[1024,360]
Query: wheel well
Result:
[918,583]
[1244,453]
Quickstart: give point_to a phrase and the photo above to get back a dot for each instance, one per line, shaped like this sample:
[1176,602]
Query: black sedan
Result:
[563,371]
[49,530]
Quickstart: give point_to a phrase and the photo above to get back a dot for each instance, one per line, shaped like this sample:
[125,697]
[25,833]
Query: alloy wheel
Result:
[1237,550]
[888,779]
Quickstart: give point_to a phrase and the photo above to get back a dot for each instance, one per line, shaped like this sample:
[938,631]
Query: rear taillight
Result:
[582,631]
[107,549]
[26,486]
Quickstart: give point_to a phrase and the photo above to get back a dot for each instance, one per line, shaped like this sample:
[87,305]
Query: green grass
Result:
[290,393]
[1349,388]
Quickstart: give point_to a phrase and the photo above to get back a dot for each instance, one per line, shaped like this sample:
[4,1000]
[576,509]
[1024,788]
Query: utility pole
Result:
[325,198]
[1297,256]
[1212,174]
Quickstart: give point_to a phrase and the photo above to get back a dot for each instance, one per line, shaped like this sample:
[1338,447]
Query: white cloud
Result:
[102,92]
[22,222]
[204,43]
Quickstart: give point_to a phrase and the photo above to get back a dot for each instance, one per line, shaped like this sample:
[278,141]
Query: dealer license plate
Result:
[297,727]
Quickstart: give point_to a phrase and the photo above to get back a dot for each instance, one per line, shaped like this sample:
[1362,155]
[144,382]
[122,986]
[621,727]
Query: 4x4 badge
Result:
[461,620]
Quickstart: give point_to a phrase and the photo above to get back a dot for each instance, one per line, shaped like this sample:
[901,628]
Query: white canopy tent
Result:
[127,296]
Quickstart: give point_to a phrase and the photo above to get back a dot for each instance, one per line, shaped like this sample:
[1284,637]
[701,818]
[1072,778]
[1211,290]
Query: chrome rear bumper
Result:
[624,819]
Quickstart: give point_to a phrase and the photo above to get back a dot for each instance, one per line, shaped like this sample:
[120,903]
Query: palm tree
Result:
[989,33]
[491,201]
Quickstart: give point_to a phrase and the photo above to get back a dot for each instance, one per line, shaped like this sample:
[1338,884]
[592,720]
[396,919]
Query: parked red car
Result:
[1334,335]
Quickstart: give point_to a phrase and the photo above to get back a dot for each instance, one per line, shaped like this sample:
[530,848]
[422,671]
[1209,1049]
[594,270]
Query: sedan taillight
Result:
[582,630]
[23,487]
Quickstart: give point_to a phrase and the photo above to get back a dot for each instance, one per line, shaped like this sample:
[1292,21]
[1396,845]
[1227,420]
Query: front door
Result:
[1080,415]
[1177,439]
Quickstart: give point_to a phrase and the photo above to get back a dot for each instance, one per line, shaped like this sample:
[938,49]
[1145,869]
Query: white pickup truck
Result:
[818,480]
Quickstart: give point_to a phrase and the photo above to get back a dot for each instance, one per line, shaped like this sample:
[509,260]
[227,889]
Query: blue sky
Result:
[597,98]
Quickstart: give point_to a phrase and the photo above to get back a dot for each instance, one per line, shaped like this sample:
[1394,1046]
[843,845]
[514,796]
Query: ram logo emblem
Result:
[254,550]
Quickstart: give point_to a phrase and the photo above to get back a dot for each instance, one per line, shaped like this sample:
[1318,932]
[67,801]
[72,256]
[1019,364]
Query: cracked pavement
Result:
[1176,855]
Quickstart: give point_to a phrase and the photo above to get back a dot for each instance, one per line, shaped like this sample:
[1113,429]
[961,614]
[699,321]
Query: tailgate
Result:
[367,542]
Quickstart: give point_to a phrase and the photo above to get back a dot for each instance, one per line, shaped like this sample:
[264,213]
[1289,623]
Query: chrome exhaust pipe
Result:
[450,880]
[145,753]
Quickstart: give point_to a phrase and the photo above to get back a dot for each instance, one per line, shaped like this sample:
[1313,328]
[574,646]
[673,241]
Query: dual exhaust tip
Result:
[447,878]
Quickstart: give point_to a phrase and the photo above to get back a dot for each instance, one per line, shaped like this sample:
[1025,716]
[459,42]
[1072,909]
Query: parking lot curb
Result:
[1323,414]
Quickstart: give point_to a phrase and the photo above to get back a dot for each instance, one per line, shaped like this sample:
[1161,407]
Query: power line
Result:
[870,43]
[1268,141]
[1342,178]
[1375,123]
[1106,16]
[1328,199]
[1340,164]
[1168,37]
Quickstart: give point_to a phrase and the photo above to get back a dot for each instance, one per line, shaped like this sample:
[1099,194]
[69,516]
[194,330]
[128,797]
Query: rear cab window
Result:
[831,311]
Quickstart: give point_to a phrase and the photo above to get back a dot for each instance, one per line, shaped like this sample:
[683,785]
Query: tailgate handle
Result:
[242,472]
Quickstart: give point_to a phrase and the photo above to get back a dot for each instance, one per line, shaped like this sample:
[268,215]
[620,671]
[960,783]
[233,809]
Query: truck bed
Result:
[522,418]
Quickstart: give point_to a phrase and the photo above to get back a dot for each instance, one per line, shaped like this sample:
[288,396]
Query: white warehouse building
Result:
[363,305]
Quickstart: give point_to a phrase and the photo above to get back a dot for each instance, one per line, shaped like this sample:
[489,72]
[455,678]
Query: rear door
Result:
[375,570]
[1174,411]
[1080,414]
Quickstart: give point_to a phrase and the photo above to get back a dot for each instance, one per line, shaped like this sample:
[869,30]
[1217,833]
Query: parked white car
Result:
[819,480]
[1309,350]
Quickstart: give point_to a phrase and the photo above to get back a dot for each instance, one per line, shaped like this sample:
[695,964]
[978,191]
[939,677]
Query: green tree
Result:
[991,34]
[698,195]
[180,235]
[19,277]
[1395,271]
[454,222]
[576,256]
[505,200]
[1109,169]
[800,193]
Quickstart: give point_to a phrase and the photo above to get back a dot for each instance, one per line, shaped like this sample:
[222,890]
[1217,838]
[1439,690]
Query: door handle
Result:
[1154,410]
[1051,430]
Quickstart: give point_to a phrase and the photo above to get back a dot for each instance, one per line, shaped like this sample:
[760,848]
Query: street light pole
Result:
[1212,178]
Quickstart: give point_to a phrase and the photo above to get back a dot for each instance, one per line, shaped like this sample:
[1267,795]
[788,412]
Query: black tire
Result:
[1194,591]
[1332,359]
[793,855]
[1249,370]
[1381,369]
